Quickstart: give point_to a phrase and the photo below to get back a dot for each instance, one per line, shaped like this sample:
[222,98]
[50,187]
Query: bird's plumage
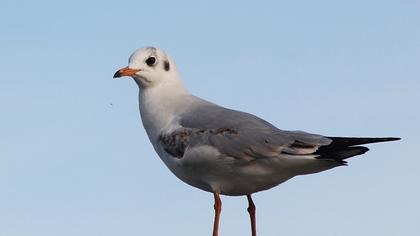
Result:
[243,135]
[221,150]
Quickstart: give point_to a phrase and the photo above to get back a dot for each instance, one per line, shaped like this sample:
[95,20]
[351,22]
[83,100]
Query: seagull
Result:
[220,150]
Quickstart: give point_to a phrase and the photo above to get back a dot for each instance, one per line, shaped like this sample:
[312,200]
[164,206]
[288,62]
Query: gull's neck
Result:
[160,106]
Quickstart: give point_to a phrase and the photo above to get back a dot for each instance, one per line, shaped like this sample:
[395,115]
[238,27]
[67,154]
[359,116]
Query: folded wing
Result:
[245,136]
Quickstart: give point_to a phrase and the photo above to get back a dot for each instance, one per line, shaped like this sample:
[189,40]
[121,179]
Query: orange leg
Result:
[251,211]
[217,209]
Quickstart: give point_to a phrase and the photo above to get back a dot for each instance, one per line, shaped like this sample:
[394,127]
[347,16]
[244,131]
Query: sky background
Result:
[74,157]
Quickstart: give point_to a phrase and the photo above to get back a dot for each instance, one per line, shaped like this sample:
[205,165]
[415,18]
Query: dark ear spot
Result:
[166,65]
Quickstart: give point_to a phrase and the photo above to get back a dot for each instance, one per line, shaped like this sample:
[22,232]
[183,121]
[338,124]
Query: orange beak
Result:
[125,72]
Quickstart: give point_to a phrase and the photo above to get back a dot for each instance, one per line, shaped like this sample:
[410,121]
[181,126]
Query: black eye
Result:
[151,61]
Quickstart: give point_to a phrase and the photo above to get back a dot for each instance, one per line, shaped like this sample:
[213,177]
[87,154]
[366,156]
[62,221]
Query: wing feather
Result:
[244,136]
[237,134]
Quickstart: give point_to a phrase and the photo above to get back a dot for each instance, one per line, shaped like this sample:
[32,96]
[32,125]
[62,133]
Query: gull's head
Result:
[149,66]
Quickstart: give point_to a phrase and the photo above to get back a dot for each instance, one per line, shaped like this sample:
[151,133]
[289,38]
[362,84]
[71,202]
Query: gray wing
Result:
[236,134]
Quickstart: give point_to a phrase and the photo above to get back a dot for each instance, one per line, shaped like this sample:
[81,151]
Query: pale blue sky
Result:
[73,164]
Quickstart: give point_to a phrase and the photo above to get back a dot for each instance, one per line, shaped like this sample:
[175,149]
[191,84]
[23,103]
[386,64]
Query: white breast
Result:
[159,107]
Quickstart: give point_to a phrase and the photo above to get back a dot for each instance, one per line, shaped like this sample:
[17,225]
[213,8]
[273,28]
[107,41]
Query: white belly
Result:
[206,169]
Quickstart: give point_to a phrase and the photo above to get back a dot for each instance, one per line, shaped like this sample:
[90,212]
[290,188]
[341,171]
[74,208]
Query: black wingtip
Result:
[343,163]
[343,153]
[347,141]
[386,139]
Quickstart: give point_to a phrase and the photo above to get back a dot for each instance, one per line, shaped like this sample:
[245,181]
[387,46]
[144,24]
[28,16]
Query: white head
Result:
[150,66]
